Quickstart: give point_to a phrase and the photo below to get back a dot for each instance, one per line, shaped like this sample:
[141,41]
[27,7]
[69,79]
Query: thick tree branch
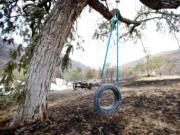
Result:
[128,21]
[161,4]
[155,4]
[99,7]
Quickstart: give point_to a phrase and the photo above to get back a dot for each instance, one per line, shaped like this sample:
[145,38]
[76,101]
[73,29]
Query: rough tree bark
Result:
[50,43]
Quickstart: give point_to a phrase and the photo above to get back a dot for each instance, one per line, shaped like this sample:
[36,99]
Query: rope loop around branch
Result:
[116,12]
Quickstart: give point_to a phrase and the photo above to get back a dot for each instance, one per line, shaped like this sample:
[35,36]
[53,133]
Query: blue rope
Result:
[108,43]
[117,51]
[115,18]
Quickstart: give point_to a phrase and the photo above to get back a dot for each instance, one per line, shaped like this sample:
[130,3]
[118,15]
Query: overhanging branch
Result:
[99,7]
[161,4]
[154,4]
[103,10]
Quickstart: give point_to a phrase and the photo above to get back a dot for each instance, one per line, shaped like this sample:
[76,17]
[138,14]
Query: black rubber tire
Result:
[117,101]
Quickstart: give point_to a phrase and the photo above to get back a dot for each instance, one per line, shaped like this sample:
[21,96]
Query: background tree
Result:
[140,67]
[171,66]
[156,64]
[127,73]
[168,66]
[73,75]
[80,74]
[110,71]
[90,74]
[45,25]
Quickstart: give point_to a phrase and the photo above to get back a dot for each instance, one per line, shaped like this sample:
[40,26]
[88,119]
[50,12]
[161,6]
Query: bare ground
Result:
[145,109]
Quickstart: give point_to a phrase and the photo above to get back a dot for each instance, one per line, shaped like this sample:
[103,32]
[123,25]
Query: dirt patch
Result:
[144,110]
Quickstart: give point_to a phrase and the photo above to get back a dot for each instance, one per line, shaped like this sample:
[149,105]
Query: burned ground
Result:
[146,109]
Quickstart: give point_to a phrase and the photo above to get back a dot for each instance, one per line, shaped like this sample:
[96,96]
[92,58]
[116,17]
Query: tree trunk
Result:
[51,40]
[147,66]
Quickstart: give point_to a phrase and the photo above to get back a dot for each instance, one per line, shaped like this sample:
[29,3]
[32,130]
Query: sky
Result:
[93,55]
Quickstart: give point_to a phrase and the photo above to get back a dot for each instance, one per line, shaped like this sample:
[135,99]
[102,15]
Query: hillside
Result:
[172,56]
[76,64]
[175,57]
[5,57]
[5,48]
[4,52]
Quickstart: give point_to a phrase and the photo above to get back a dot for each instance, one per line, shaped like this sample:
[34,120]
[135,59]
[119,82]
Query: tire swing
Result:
[109,87]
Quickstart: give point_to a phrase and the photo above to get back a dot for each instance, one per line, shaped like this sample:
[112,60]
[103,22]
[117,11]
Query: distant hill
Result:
[76,64]
[5,57]
[4,51]
[173,56]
